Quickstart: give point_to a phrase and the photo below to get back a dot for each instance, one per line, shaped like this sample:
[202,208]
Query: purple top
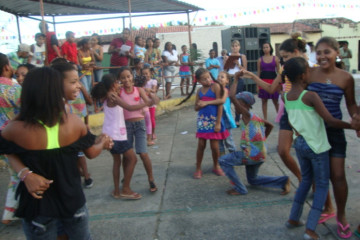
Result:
[271,67]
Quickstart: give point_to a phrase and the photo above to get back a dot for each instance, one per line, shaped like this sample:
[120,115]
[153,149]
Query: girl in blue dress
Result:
[209,123]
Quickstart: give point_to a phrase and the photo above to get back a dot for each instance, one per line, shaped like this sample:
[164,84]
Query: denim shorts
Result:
[284,122]
[136,131]
[44,228]
[120,147]
[337,140]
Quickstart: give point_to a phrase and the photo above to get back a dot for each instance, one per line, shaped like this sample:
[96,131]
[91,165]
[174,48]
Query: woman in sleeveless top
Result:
[50,190]
[267,66]
[331,84]
[87,61]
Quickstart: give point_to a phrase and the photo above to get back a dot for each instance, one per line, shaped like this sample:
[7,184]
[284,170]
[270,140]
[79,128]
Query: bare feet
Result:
[150,142]
[6,221]
[286,188]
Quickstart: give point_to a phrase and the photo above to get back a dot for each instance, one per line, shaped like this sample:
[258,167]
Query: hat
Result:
[247,97]
[24,48]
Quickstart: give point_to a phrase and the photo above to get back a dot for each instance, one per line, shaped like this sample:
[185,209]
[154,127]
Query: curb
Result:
[96,120]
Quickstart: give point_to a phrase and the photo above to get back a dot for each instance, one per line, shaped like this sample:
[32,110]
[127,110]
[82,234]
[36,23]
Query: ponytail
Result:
[296,42]
[100,90]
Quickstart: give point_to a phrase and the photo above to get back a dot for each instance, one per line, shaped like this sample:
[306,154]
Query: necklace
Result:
[328,81]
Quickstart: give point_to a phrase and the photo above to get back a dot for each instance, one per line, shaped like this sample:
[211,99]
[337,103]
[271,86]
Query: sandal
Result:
[218,172]
[343,232]
[132,196]
[325,216]
[153,187]
[233,192]
[197,174]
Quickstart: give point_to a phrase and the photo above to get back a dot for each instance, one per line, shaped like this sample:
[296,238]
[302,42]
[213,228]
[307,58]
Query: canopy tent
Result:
[32,8]
[82,7]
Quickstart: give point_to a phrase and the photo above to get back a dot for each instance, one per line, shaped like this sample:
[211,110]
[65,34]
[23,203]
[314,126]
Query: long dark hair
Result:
[262,51]
[100,90]
[294,67]
[198,74]
[42,97]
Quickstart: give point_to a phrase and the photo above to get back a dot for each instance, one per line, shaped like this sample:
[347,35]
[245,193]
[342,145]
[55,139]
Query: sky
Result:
[227,12]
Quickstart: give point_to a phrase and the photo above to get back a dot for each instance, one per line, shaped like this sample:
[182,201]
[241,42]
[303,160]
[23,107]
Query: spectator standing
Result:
[213,64]
[52,44]
[345,55]
[98,52]
[69,48]
[20,56]
[222,59]
[121,50]
[38,51]
[170,58]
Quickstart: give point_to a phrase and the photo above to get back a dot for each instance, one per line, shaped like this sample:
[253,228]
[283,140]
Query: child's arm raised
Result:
[313,99]
[239,109]
[270,88]
[87,97]
[268,128]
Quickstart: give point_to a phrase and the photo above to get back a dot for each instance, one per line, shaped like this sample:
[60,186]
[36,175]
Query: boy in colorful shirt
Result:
[253,147]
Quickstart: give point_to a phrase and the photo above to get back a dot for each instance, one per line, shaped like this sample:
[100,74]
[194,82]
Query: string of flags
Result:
[5,34]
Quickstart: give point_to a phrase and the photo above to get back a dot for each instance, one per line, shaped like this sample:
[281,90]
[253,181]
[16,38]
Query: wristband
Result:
[26,174]
[21,171]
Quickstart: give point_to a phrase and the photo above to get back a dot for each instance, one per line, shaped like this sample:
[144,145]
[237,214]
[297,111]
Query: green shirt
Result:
[308,123]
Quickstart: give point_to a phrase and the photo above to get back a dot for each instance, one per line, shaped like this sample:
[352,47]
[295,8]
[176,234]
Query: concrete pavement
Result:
[185,208]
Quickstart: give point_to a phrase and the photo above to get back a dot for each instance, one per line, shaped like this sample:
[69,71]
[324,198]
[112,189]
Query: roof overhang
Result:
[85,7]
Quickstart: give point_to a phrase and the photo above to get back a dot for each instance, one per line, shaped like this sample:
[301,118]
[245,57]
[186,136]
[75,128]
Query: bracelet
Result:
[21,171]
[26,174]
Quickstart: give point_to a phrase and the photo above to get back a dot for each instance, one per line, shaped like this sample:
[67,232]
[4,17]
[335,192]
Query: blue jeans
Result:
[227,163]
[86,81]
[45,228]
[228,143]
[314,167]
[98,75]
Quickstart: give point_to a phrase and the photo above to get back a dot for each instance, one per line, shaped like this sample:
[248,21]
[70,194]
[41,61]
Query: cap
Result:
[24,48]
[247,97]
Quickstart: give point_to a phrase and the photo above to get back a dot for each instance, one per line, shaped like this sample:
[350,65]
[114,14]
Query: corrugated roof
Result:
[279,28]
[81,7]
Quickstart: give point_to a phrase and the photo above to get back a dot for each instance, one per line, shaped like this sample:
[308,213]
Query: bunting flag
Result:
[203,18]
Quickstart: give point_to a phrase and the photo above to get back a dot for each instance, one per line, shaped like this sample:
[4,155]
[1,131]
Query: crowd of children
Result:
[309,114]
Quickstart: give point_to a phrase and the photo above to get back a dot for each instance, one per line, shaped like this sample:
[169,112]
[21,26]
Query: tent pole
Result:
[129,4]
[18,27]
[53,17]
[43,28]
[123,23]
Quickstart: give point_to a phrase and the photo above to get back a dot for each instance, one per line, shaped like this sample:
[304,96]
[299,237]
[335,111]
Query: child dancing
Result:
[114,126]
[306,112]
[254,132]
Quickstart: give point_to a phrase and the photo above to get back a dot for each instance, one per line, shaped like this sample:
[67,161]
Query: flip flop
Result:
[218,172]
[233,192]
[115,196]
[133,196]
[153,187]
[341,230]
[325,216]
[198,174]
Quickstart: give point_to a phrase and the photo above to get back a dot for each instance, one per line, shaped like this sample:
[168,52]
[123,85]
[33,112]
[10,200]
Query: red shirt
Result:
[51,40]
[70,50]
[116,59]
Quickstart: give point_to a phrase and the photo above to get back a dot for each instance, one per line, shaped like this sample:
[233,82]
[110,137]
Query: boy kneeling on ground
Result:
[252,154]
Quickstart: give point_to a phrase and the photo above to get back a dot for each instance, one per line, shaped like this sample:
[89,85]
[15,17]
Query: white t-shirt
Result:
[114,123]
[169,56]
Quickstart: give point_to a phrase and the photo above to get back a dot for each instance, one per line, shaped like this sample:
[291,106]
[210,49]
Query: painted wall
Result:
[202,36]
[346,32]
